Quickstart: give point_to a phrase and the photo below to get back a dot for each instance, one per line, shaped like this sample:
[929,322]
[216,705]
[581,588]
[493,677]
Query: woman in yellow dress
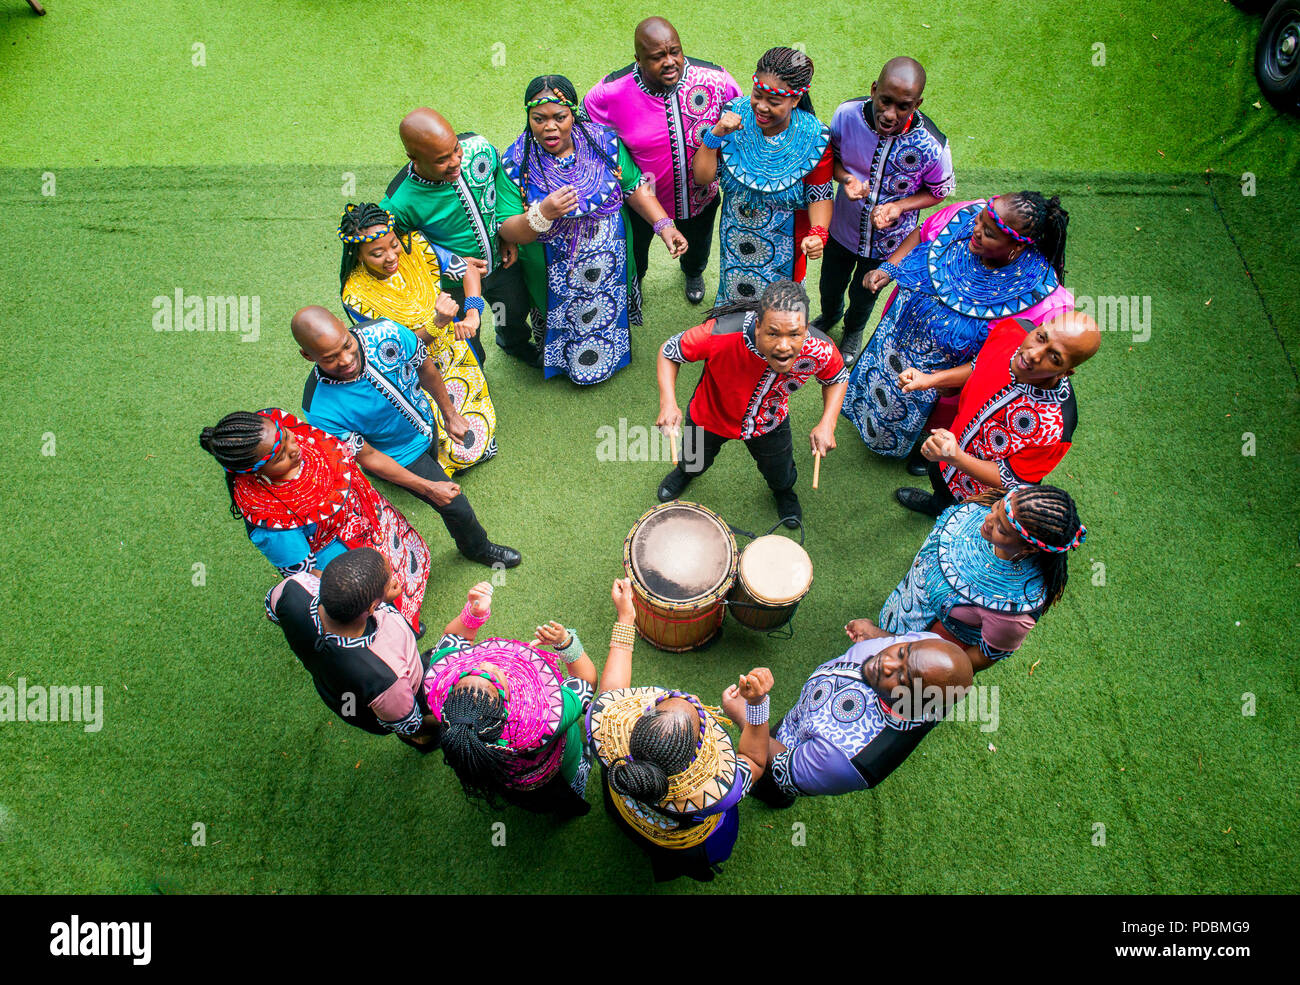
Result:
[387,276]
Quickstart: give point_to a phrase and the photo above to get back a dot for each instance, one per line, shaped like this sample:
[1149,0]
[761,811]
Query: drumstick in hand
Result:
[817,468]
[672,441]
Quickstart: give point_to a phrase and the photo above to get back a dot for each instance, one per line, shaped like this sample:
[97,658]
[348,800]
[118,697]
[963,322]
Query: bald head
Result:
[905,72]
[431,144]
[922,679]
[658,53]
[939,663]
[1054,349]
[1078,333]
[317,330]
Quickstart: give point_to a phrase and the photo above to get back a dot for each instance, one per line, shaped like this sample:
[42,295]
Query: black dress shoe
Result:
[495,555]
[921,467]
[672,486]
[788,509]
[694,289]
[918,501]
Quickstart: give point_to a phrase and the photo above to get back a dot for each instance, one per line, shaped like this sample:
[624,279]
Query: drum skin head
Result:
[776,570]
[681,553]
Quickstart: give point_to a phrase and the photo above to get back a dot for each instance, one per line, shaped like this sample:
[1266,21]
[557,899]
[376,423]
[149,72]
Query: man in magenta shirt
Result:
[659,105]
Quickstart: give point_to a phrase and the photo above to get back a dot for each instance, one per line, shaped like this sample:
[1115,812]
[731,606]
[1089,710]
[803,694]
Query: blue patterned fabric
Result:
[939,318]
[762,188]
[956,566]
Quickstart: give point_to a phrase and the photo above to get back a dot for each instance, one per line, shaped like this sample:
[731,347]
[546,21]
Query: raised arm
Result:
[617,672]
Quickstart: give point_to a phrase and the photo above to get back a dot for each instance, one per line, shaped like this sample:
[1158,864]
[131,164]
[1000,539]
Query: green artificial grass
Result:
[1124,708]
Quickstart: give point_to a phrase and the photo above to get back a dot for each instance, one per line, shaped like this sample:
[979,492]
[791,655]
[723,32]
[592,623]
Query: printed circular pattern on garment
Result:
[490,196]
[886,400]
[742,284]
[457,389]
[592,359]
[890,239]
[898,185]
[590,313]
[848,704]
[749,249]
[475,440]
[893,359]
[1025,421]
[910,159]
[804,365]
[592,270]
[753,216]
[388,354]
[820,694]
[998,439]
[478,168]
[699,100]
[790,385]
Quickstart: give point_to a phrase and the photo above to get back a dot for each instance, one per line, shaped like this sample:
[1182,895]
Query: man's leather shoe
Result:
[495,555]
[788,509]
[672,486]
[694,289]
[918,501]
[919,467]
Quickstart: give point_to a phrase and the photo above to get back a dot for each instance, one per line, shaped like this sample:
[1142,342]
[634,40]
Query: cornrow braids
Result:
[792,67]
[355,219]
[780,295]
[545,83]
[473,721]
[351,582]
[661,745]
[1045,222]
[234,443]
[1049,515]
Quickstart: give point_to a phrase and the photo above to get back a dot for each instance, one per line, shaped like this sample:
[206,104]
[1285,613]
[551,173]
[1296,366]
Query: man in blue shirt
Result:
[370,381]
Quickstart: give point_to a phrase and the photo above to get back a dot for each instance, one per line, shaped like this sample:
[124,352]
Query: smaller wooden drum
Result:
[681,558]
[775,575]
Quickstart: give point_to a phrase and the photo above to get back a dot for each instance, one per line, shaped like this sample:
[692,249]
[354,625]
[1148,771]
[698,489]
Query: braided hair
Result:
[357,218]
[234,443]
[792,67]
[545,83]
[1045,221]
[473,719]
[780,295]
[1048,514]
[351,582]
[661,745]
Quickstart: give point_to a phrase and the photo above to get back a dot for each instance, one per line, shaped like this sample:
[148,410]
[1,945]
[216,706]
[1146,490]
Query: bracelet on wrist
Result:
[572,650]
[663,224]
[821,232]
[623,635]
[758,714]
[475,303]
[536,220]
[710,139]
[472,619]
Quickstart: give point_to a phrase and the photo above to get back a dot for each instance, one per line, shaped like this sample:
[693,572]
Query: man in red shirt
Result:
[1016,413]
[754,357]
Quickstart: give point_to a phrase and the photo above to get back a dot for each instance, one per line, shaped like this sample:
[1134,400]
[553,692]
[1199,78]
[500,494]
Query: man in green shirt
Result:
[448,190]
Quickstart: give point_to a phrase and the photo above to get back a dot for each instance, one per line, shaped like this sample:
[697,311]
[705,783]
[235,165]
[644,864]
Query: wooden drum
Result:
[775,575]
[681,558]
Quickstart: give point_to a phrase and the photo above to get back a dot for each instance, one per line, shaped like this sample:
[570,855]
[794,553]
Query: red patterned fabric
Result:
[331,492]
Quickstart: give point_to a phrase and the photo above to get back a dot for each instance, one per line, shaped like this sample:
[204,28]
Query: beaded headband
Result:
[559,97]
[360,238]
[1018,237]
[275,449]
[1050,549]
[779,92]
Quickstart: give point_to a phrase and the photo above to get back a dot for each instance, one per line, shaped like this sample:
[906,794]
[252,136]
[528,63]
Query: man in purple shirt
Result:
[860,715]
[891,162]
[659,105]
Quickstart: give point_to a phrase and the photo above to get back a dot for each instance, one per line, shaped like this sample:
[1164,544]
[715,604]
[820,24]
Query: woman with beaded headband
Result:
[671,775]
[511,713]
[962,269]
[304,500]
[774,161]
[385,275]
[573,178]
[987,572]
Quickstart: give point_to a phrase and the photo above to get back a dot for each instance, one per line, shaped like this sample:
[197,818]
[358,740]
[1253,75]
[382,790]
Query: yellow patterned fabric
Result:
[659,829]
[408,297]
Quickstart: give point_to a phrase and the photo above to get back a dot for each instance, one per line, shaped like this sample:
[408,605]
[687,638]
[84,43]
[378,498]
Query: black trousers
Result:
[843,268]
[699,238]
[458,516]
[943,496]
[772,452]
[508,299]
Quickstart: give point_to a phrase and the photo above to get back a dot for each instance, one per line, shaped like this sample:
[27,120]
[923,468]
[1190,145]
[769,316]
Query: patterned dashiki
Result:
[661,130]
[739,395]
[893,168]
[303,524]
[587,283]
[553,739]
[767,185]
[459,215]
[408,298]
[937,318]
[958,580]
[839,736]
[1025,429]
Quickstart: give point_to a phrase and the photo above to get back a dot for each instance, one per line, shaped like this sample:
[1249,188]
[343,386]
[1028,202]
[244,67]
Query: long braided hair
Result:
[792,67]
[357,218]
[1047,514]
[780,295]
[662,744]
[234,443]
[1045,221]
[473,719]
[545,83]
